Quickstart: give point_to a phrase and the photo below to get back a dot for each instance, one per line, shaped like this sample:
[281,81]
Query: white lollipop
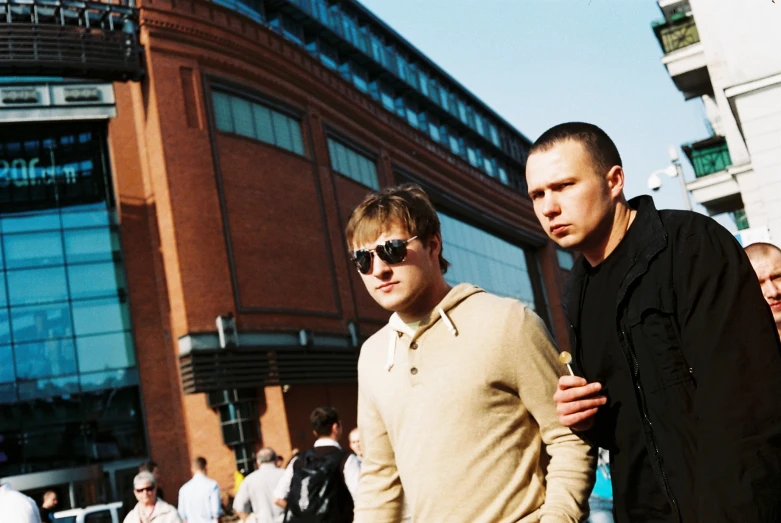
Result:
[566,358]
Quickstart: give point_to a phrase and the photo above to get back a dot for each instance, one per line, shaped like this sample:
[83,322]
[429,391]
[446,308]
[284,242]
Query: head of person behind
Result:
[355,442]
[199,466]
[266,457]
[396,245]
[49,500]
[766,260]
[151,467]
[575,180]
[145,490]
[325,423]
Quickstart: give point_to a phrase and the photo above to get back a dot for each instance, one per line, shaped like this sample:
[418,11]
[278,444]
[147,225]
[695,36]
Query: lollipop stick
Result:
[569,368]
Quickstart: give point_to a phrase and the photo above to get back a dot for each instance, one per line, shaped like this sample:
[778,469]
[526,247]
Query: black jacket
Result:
[705,359]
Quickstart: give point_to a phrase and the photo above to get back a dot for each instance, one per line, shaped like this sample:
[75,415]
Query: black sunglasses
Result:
[391,252]
[146,489]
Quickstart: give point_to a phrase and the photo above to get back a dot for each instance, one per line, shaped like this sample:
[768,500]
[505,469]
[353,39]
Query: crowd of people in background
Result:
[667,410]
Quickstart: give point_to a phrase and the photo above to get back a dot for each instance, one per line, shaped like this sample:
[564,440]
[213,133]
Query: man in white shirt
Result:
[199,498]
[355,443]
[328,429]
[15,507]
[256,493]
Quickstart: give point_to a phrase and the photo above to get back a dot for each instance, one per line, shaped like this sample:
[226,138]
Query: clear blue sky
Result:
[543,62]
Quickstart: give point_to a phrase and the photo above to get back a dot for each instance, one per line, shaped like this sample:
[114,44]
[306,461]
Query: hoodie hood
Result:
[457,294]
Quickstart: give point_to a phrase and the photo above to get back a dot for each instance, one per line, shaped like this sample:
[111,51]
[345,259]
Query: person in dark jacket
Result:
[675,350]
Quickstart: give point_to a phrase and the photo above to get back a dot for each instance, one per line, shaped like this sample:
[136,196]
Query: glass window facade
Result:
[367,53]
[485,260]
[236,115]
[68,379]
[353,164]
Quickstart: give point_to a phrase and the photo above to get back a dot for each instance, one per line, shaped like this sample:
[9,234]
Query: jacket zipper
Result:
[644,411]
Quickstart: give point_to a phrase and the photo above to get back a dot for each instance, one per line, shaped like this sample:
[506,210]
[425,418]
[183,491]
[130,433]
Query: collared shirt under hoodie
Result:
[453,417]
[602,360]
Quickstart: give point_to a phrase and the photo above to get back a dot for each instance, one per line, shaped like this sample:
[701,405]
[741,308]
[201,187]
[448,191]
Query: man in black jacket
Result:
[676,351]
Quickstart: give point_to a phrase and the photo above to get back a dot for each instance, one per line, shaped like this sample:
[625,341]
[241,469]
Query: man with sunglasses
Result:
[454,399]
[150,509]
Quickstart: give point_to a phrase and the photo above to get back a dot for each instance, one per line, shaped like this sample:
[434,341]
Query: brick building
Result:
[215,182]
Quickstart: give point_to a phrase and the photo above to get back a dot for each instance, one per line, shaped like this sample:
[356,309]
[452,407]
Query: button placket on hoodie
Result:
[414,360]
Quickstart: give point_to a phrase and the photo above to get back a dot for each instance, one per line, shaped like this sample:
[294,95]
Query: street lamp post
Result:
[673,170]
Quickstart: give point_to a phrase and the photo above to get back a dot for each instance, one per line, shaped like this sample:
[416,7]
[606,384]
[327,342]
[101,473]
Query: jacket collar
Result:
[649,240]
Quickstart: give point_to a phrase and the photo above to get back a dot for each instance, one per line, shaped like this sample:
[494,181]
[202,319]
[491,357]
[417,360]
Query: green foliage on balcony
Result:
[679,32]
[741,220]
[708,156]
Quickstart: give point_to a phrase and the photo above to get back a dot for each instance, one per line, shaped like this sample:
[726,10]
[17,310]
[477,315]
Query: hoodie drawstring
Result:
[394,335]
[391,350]
[446,319]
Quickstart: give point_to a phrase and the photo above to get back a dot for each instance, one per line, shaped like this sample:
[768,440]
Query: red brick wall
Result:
[285,217]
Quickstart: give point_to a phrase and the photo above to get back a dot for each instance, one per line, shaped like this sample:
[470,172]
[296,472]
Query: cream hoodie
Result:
[459,412]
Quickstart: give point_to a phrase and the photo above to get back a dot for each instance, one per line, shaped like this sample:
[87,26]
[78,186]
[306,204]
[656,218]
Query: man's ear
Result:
[615,180]
[435,245]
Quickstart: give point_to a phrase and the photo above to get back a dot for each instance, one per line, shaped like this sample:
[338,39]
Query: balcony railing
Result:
[70,38]
[679,32]
[708,156]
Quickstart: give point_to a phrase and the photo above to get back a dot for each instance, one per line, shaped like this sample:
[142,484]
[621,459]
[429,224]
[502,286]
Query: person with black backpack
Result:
[319,485]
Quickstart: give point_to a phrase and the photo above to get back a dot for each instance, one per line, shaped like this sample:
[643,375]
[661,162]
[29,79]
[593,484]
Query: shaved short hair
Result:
[761,250]
[602,150]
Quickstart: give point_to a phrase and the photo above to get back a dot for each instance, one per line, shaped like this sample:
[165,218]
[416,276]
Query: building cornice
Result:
[242,47]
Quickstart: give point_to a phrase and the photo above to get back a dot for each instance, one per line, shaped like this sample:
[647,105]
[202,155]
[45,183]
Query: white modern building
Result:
[726,53]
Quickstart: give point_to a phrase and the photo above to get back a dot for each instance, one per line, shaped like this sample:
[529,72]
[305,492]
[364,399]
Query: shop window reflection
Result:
[5,327]
[48,387]
[33,249]
[41,322]
[27,222]
[7,373]
[31,286]
[85,245]
[98,353]
[95,280]
[100,316]
[92,215]
[53,357]
[115,379]
[63,297]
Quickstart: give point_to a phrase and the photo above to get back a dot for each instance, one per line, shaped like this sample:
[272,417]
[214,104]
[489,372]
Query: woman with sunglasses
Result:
[149,508]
